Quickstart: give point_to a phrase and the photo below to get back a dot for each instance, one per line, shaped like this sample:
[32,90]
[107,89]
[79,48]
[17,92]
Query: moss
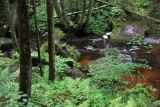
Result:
[44,48]
[117,39]
[58,33]
[155,10]
[5,41]
[118,25]
[73,52]
[153,32]
[1,43]
[118,22]
[121,23]
[113,51]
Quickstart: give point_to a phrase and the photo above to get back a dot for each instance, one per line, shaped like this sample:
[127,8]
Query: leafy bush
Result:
[61,65]
[9,89]
[67,93]
[110,69]
[134,97]
[41,17]
[7,62]
[107,76]
[101,20]
[136,42]
[99,23]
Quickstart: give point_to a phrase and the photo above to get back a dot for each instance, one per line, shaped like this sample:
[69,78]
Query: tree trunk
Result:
[51,42]
[63,12]
[37,35]
[90,10]
[59,13]
[77,9]
[25,53]
[12,26]
[83,15]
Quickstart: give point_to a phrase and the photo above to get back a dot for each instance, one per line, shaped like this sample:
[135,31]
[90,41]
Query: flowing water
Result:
[91,48]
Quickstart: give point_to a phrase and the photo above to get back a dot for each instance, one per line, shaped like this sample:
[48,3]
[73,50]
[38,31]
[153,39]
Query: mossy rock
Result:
[73,52]
[113,51]
[5,41]
[125,30]
[67,49]
[116,39]
[58,33]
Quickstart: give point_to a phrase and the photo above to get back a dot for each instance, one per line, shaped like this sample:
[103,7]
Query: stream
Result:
[92,48]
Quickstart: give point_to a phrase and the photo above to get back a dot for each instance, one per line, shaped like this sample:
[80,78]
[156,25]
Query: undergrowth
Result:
[100,90]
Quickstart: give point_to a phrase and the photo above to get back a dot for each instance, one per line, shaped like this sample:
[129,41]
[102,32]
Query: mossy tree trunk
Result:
[25,52]
[12,25]
[63,9]
[90,10]
[59,13]
[82,19]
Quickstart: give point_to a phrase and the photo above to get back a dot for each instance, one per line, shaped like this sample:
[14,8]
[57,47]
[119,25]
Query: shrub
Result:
[99,23]
[68,93]
[107,76]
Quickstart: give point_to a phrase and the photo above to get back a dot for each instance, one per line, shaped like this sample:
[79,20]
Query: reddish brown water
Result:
[87,57]
[84,61]
[152,55]
[146,78]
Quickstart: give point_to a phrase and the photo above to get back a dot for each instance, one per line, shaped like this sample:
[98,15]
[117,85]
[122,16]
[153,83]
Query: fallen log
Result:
[145,17]
[79,12]
[132,12]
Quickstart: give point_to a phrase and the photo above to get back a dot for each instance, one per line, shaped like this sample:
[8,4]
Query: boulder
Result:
[74,73]
[150,41]
[5,44]
[124,34]
[125,58]
[113,51]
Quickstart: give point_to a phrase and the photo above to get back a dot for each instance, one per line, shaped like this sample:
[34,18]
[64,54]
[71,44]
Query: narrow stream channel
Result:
[92,48]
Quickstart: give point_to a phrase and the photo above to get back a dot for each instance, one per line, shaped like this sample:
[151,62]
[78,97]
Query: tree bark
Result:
[25,52]
[77,8]
[37,35]
[90,10]
[59,13]
[83,15]
[51,42]
[63,12]
[12,26]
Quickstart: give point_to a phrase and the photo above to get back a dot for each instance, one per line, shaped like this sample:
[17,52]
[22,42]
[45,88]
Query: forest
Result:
[79,53]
